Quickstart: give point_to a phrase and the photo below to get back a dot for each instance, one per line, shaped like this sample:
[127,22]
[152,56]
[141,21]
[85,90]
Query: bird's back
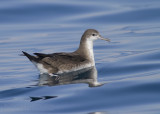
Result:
[61,62]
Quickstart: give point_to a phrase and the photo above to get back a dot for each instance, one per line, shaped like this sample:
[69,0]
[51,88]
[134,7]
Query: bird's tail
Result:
[30,57]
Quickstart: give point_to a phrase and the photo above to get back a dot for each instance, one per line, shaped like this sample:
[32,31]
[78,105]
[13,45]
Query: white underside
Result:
[42,70]
[40,67]
[75,69]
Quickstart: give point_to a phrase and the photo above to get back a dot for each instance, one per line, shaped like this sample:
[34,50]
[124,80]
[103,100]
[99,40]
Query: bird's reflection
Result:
[88,76]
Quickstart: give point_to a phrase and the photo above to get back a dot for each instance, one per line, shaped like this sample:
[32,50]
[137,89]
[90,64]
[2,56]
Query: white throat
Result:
[89,47]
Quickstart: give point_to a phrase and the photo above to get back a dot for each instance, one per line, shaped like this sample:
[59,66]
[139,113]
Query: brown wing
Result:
[59,60]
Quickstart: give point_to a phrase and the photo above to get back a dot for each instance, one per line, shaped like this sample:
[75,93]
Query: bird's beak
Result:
[106,39]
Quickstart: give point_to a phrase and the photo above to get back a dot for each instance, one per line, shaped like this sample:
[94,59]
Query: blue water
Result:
[127,67]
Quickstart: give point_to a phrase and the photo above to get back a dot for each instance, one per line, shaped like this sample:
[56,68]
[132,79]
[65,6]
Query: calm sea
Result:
[126,79]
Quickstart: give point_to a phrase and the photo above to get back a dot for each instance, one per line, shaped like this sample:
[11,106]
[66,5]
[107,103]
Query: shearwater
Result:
[57,63]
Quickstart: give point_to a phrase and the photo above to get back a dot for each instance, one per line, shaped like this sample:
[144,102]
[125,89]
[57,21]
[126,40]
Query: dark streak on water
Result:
[128,79]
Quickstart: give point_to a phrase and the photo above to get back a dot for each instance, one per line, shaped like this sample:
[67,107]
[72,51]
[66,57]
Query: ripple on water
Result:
[128,66]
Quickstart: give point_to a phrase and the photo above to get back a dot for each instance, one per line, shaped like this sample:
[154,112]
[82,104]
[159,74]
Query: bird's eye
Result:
[93,34]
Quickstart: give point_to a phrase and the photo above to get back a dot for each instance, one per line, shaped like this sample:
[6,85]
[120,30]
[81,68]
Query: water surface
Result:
[128,78]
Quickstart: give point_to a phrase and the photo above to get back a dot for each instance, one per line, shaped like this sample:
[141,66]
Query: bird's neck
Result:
[86,50]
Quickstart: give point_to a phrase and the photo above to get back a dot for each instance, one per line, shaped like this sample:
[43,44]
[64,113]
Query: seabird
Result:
[58,63]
